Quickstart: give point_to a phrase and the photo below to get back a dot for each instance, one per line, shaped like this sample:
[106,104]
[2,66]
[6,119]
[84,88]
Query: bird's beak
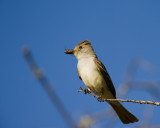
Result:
[69,51]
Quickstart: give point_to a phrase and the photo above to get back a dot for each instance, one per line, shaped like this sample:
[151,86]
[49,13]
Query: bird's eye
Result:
[80,47]
[86,44]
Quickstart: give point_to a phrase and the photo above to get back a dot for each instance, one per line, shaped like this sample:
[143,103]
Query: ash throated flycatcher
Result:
[95,76]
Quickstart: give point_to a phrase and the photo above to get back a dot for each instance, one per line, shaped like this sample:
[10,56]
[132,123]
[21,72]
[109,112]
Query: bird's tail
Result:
[125,116]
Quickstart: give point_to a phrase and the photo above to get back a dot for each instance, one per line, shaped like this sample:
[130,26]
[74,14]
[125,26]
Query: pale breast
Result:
[90,75]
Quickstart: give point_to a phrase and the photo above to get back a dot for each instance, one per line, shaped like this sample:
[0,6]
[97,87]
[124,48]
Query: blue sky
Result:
[119,32]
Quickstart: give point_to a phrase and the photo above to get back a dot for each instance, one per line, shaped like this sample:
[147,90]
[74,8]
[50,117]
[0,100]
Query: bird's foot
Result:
[100,99]
[85,90]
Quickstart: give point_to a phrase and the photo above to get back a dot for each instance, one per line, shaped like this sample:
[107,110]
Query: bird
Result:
[95,76]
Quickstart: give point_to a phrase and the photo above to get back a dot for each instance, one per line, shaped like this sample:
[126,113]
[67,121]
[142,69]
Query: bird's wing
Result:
[106,76]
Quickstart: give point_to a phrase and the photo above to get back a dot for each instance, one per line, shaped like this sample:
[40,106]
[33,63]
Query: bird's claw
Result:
[100,99]
[86,91]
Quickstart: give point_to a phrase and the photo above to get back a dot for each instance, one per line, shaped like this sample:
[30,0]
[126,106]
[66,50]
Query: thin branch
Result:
[121,100]
[135,101]
[48,88]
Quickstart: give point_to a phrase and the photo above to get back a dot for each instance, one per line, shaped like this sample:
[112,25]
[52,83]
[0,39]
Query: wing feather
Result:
[106,76]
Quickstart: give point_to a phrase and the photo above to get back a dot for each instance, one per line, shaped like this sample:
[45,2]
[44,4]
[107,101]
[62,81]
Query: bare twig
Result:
[48,88]
[135,101]
[121,100]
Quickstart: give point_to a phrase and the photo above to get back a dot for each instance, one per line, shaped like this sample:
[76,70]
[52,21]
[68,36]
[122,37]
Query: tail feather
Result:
[125,116]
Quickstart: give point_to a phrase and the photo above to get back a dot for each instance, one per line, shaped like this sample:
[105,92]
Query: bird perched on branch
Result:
[95,76]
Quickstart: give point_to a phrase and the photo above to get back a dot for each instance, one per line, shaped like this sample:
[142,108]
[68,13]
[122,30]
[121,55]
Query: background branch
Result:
[48,88]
